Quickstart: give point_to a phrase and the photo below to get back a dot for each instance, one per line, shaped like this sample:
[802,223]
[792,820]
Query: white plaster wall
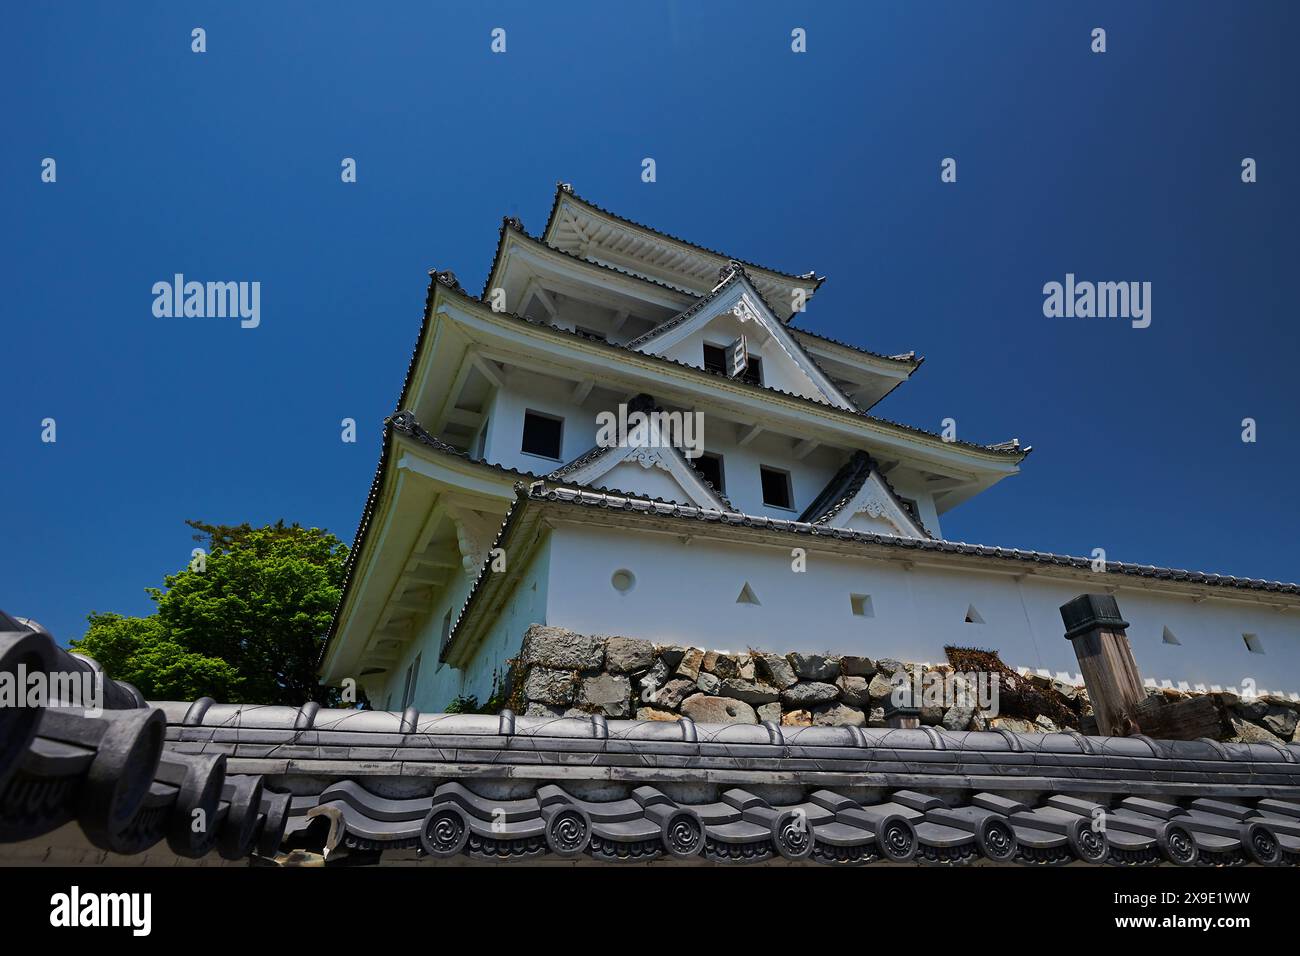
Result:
[808,476]
[686,593]
[439,685]
[779,369]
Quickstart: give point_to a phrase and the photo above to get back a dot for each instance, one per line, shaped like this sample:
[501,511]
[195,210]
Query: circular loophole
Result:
[623,580]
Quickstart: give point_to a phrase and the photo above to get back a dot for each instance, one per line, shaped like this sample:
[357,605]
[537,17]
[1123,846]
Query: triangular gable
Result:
[738,303]
[859,498]
[647,466]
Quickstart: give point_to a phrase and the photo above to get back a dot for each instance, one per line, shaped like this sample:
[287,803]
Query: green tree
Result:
[245,627]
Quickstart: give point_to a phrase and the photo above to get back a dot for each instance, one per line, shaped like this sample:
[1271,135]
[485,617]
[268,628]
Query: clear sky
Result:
[225,165]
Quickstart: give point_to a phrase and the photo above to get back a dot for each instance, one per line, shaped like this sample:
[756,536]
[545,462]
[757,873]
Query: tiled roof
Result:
[515,225]
[114,776]
[1010,453]
[844,486]
[563,189]
[618,790]
[539,491]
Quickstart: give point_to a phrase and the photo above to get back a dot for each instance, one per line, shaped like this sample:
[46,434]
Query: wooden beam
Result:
[804,448]
[1094,626]
[582,390]
[464,416]
[488,371]
[748,435]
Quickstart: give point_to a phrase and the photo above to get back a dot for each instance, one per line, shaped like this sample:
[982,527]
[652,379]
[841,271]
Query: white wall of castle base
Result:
[685,592]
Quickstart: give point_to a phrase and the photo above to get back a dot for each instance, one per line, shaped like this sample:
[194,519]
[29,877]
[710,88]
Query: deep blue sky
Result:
[1122,166]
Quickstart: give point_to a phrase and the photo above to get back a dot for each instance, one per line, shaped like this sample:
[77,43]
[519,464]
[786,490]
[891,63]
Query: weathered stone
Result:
[769,712]
[838,715]
[550,686]
[854,690]
[611,694]
[1244,732]
[656,713]
[654,678]
[745,669]
[889,666]
[776,670]
[931,715]
[704,709]
[797,718]
[626,655]
[814,666]
[1015,725]
[748,691]
[670,654]
[673,693]
[957,717]
[724,665]
[879,690]
[858,666]
[808,693]
[689,667]
[876,717]
[978,721]
[1253,709]
[1280,721]
[556,647]
[1046,725]
[537,709]
[709,683]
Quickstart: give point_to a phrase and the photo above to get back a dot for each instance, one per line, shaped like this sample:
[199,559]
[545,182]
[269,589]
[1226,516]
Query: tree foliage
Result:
[244,627]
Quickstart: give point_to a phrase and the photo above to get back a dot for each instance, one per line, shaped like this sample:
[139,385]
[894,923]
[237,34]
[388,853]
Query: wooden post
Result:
[1093,624]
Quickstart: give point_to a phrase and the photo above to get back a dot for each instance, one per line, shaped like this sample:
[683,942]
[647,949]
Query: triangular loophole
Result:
[973,615]
[747,596]
[1169,637]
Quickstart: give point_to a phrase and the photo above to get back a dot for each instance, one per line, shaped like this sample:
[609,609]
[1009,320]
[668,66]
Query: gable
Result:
[876,509]
[646,465]
[735,309]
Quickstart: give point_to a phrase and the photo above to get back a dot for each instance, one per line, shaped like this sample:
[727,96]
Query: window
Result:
[446,634]
[715,358]
[542,435]
[753,372]
[776,487]
[861,604]
[1169,637]
[623,580]
[412,679]
[1253,643]
[710,466]
[973,616]
[747,596]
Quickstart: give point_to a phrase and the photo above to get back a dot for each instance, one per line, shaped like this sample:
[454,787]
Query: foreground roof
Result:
[499,787]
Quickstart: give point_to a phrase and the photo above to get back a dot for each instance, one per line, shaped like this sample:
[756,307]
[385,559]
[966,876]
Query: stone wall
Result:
[561,673]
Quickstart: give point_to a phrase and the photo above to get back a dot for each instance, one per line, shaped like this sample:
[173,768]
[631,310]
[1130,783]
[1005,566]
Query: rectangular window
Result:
[710,467]
[753,372]
[542,434]
[715,358]
[776,487]
[412,679]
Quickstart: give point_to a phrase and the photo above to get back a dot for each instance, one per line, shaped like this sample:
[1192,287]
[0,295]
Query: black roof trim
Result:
[845,484]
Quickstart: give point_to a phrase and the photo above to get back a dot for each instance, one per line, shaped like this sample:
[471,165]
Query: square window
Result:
[542,434]
[753,372]
[861,604]
[715,358]
[1253,643]
[710,466]
[776,487]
